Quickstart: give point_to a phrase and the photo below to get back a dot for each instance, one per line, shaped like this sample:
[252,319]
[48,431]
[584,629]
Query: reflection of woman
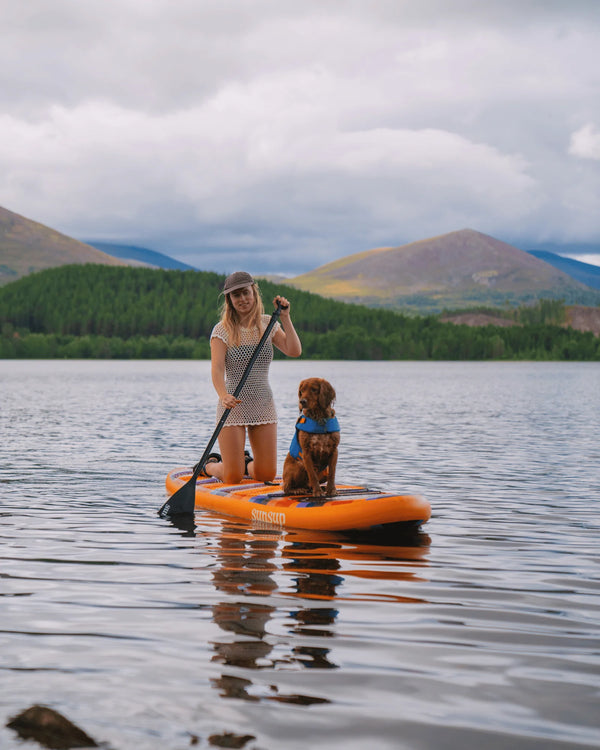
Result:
[244,574]
[232,344]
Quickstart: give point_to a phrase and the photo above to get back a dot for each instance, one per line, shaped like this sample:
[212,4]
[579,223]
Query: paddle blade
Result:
[182,501]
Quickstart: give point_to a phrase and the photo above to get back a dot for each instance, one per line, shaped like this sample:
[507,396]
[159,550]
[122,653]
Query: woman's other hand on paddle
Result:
[286,339]
[285,305]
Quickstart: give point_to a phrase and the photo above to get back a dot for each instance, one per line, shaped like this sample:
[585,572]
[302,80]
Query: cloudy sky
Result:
[277,135]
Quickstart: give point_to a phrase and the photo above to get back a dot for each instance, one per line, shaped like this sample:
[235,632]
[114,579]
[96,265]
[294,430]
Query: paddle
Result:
[184,500]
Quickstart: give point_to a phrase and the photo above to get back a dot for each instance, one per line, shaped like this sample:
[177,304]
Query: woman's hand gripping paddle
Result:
[184,500]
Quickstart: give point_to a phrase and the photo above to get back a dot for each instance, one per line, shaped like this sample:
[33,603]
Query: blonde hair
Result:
[231,319]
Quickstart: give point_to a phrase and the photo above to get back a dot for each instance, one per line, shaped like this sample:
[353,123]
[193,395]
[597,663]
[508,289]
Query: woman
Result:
[232,343]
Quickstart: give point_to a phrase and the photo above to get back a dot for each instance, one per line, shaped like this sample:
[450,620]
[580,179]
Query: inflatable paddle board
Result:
[353,509]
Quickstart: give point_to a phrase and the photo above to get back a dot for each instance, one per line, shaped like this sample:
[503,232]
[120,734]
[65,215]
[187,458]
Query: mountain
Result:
[141,256]
[586,273]
[26,246]
[566,248]
[459,269]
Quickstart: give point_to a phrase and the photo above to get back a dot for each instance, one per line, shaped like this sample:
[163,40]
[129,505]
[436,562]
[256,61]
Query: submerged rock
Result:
[228,739]
[49,728]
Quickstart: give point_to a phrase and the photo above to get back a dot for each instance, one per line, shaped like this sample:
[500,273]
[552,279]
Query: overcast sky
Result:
[277,135]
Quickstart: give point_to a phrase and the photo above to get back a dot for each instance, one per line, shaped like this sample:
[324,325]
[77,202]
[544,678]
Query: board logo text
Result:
[268,516]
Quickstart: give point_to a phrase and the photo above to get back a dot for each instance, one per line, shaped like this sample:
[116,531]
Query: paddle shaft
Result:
[183,501]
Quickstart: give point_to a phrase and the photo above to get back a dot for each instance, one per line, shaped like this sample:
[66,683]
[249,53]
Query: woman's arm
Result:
[286,340]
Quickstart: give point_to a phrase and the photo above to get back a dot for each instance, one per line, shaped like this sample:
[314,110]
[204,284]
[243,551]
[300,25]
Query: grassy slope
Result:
[451,271]
[27,246]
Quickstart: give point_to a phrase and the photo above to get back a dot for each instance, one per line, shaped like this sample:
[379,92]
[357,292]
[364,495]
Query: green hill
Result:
[456,270]
[26,247]
[96,311]
[98,300]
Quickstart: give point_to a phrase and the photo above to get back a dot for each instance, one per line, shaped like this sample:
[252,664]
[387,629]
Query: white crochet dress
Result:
[258,406]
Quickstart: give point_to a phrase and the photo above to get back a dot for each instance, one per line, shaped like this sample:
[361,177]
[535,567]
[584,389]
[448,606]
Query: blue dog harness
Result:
[306,424]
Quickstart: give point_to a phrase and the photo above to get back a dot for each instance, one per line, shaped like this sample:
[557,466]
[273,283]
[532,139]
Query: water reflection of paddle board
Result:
[354,508]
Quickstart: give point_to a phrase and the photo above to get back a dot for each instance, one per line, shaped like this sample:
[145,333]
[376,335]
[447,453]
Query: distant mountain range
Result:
[460,269]
[586,273]
[26,246]
[141,256]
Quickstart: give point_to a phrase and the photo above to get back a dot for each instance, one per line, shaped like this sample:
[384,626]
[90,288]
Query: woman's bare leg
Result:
[231,445]
[263,442]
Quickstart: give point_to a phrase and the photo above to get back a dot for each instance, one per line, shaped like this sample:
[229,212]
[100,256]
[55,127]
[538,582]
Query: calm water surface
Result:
[482,631]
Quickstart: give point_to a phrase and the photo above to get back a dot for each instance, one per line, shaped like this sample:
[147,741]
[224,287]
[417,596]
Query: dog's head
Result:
[315,397]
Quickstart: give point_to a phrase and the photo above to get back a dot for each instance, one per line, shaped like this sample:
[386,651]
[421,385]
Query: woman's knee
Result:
[264,471]
[232,477]
[231,444]
[263,439]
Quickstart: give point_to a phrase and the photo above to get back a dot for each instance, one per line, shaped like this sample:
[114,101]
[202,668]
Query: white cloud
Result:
[591,258]
[98,165]
[300,132]
[585,142]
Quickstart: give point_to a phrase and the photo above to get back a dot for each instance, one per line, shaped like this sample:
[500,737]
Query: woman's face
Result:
[242,300]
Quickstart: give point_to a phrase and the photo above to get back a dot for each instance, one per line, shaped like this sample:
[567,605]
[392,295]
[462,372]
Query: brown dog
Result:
[314,451]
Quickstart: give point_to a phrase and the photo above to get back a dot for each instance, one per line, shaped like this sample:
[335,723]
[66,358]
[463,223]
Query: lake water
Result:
[482,631]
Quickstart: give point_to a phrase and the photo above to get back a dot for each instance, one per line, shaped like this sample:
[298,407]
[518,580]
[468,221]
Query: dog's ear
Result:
[300,389]
[326,394]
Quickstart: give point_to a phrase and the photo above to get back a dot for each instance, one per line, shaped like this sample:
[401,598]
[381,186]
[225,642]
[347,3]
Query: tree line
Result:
[91,311]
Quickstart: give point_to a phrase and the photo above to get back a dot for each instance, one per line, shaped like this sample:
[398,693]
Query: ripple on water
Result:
[483,629]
